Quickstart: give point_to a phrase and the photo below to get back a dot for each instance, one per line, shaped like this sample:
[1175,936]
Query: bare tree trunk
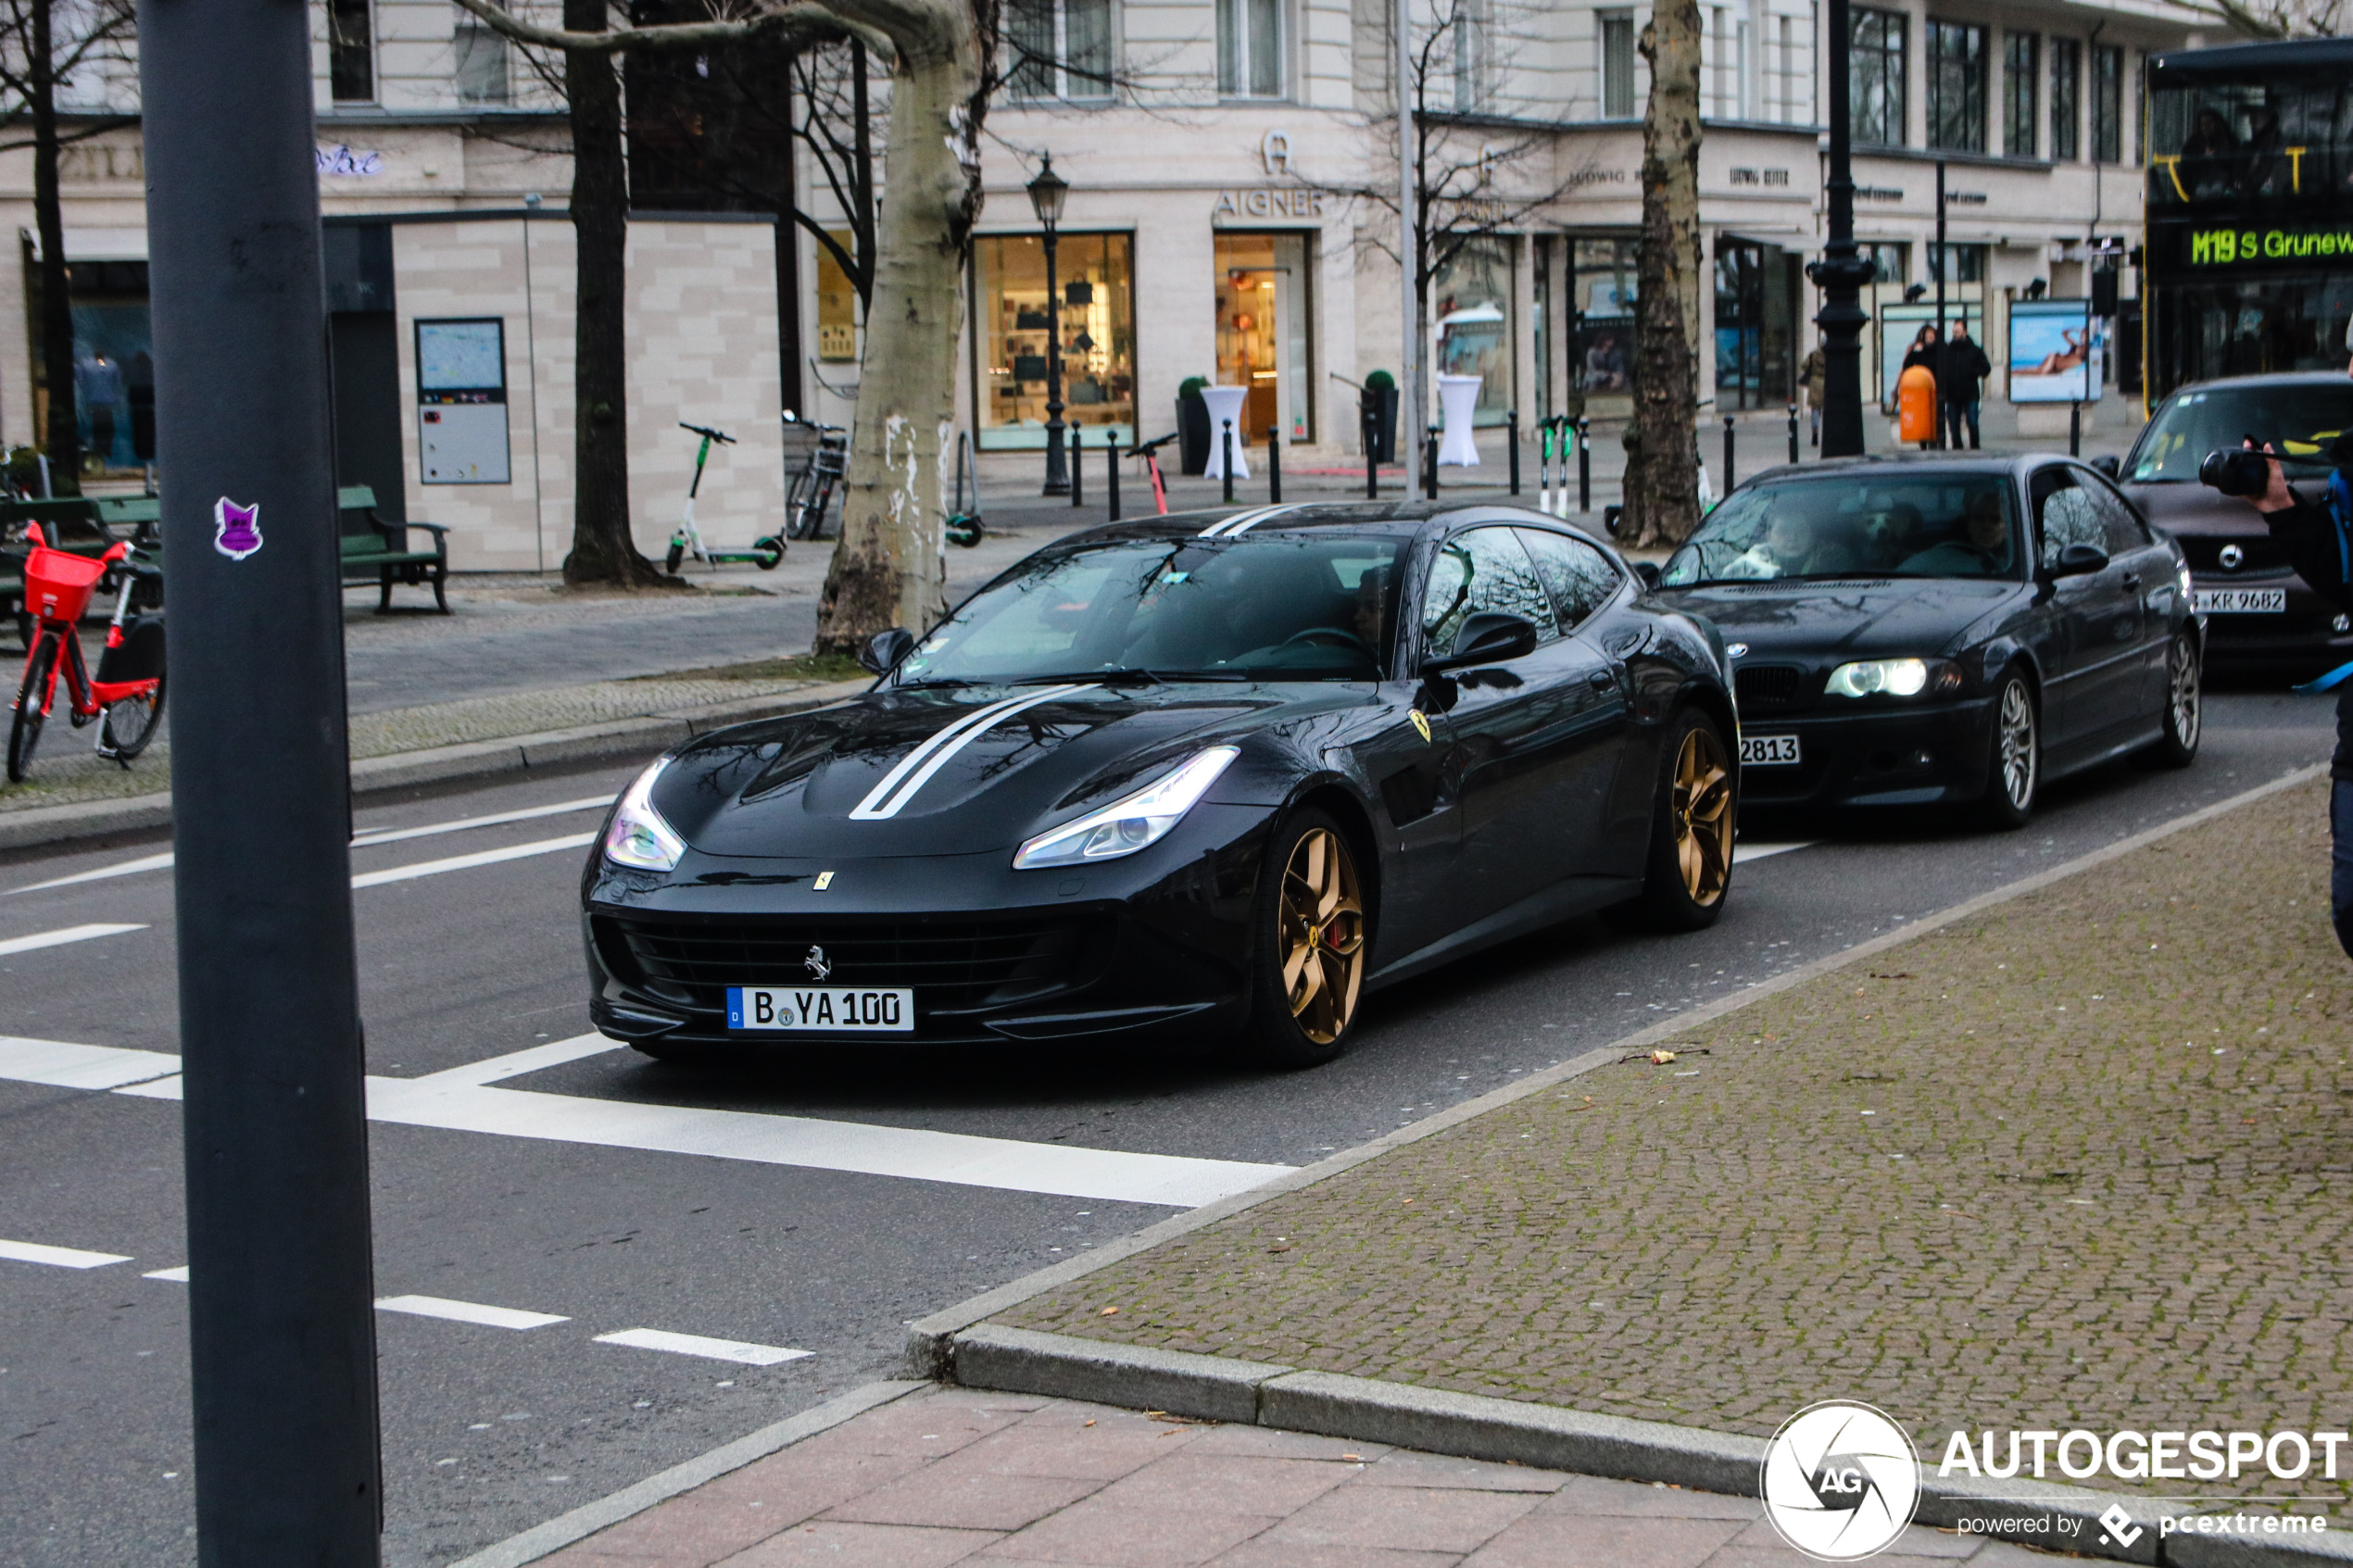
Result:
[1662,442]
[603,550]
[62,439]
[888,569]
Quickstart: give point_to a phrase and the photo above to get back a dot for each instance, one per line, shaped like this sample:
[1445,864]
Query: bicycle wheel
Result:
[131,723]
[799,521]
[24,731]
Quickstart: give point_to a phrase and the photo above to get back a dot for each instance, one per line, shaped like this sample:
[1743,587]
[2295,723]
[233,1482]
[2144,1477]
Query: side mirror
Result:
[1648,572]
[1488,638]
[1611,518]
[2079,560]
[883,655]
[2111,465]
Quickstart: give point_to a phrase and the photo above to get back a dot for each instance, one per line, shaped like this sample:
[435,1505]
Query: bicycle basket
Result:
[57,584]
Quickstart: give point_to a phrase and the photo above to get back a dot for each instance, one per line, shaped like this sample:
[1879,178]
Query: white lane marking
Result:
[59,938]
[479,857]
[66,1066]
[58,1257]
[466,1311]
[695,1345]
[944,745]
[368,838]
[1742,853]
[177,1277]
[127,867]
[457,1102]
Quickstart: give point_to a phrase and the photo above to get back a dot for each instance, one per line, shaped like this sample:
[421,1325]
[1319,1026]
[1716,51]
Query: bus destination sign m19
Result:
[2223,247]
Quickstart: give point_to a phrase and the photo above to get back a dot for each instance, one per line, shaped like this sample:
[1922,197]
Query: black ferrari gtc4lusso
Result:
[1205,776]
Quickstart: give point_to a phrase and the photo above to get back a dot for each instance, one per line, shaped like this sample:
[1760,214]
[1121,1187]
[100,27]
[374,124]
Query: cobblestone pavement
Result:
[949,1476]
[2081,1160]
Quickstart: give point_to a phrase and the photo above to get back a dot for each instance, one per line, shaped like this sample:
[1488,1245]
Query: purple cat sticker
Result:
[236,531]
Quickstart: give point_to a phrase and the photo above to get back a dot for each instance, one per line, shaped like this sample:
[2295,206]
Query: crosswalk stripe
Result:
[63,1065]
[58,1257]
[1744,852]
[735,1350]
[466,1311]
[480,857]
[59,938]
[176,1276]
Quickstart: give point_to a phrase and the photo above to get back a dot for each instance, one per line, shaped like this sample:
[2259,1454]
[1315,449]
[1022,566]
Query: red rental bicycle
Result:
[128,692]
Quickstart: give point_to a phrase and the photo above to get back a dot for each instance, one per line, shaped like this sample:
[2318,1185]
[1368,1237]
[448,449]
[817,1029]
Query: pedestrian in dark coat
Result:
[1961,370]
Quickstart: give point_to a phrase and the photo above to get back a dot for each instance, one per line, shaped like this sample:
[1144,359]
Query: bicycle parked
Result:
[127,695]
[813,486]
[765,551]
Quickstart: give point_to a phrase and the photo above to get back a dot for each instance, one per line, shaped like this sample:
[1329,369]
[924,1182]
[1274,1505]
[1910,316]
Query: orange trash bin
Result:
[1915,404]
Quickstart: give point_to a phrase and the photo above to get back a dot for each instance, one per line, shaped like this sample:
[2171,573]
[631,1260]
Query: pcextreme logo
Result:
[1840,1481]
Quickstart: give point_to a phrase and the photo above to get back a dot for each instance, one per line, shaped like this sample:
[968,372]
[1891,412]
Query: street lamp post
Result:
[1045,193]
[1842,271]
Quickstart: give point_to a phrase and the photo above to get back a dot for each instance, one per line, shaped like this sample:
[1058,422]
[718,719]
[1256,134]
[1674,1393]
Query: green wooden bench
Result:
[377,551]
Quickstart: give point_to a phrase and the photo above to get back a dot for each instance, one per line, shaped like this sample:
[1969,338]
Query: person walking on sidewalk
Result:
[1815,373]
[1961,370]
[2317,537]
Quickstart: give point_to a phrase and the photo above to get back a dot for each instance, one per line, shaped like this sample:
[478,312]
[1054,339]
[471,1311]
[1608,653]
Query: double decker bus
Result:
[2249,260]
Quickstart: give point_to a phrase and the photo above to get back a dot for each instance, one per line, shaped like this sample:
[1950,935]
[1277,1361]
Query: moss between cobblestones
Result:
[2081,1160]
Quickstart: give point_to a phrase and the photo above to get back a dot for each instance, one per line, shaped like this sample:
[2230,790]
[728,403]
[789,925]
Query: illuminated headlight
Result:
[1895,677]
[638,836]
[1129,823]
[2183,571]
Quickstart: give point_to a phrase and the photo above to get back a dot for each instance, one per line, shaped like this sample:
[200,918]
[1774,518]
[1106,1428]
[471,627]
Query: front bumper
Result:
[1883,755]
[2311,633]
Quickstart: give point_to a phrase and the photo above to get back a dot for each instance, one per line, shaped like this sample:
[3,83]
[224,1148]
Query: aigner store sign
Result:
[1290,202]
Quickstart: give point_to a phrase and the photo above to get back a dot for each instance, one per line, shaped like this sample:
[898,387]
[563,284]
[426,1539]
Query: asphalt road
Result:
[801,1206]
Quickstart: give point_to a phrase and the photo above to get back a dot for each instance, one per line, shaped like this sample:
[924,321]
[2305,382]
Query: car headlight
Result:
[638,836]
[1895,677]
[1131,822]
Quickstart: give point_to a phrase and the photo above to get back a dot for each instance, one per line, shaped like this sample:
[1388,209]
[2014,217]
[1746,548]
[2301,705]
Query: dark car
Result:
[1196,776]
[2261,614]
[1925,631]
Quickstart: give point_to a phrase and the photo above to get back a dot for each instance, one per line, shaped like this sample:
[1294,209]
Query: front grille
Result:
[2261,556]
[1767,688]
[954,965]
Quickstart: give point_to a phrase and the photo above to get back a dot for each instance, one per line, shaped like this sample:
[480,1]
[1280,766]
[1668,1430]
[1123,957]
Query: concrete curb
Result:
[541,1540]
[617,740]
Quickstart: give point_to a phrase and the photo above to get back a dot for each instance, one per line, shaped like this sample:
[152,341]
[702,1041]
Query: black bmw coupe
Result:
[1207,777]
[1923,631]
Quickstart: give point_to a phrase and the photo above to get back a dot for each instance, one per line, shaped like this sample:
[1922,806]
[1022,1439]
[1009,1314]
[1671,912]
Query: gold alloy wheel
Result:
[1702,808]
[1321,931]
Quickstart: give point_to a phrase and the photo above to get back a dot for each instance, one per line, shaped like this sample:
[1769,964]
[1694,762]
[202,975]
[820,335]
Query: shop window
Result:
[1601,292]
[1618,65]
[113,362]
[1249,48]
[1061,49]
[1756,309]
[837,304]
[1960,264]
[1470,299]
[1955,87]
[1265,332]
[351,52]
[1875,77]
[2108,104]
[2066,101]
[2022,83]
[481,76]
[1891,259]
[1094,274]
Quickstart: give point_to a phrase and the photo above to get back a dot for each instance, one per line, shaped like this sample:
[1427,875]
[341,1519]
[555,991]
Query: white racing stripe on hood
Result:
[1242,523]
[914,769]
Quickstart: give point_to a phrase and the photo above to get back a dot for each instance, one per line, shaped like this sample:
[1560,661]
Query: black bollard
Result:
[1792,433]
[1728,454]
[1371,422]
[1227,436]
[1111,471]
[1429,463]
[2075,430]
[1078,469]
[1511,425]
[1274,463]
[1584,466]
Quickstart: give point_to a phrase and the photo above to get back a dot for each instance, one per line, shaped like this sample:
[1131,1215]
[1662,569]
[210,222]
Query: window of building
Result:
[1957,87]
[481,75]
[1891,260]
[2021,87]
[1874,78]
[2108,104]
[1960,264]
[1602,284]
[1474,45]
[1061,49]
[1618,65]
[2066,98]
[1266,338]
[351,52]
[1097,331]
[1470,306]
[1249,48]
[1785,74]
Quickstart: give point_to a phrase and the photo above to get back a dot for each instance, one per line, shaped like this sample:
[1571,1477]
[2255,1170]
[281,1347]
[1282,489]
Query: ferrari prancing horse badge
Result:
[1421,725]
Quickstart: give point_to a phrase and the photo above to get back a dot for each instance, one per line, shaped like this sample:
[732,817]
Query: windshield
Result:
[2299,421]
[1924,525]
[1277,608]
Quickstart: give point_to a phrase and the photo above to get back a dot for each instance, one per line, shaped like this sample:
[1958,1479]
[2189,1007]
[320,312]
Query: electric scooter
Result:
[1150,452]
[765,552]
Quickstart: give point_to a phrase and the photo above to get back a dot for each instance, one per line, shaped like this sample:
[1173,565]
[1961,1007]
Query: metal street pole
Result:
[1057,475]
[1409,249]
[1942,342]
[1842,272]
[282,1332]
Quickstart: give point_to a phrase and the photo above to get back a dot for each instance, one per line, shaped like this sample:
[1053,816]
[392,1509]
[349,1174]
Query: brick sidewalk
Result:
[2083,1160]
[948,1477]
